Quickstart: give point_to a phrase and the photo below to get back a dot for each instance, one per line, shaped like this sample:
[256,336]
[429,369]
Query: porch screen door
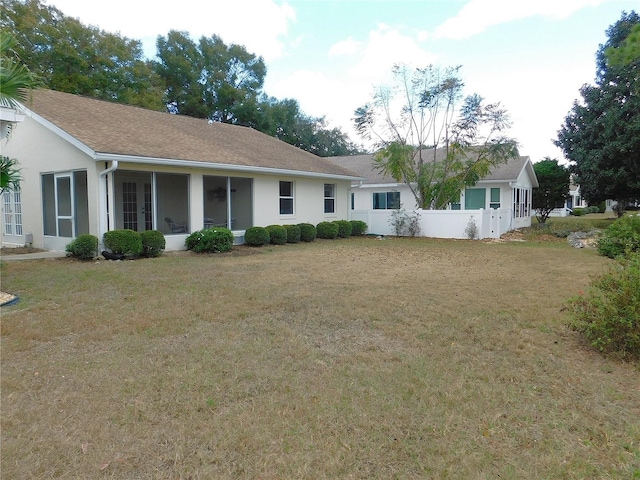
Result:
[64,205]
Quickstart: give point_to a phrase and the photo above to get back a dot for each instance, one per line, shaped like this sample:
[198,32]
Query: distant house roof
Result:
[363,166]
[107,130]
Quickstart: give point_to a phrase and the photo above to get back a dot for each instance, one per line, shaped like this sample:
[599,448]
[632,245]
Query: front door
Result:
[133,199]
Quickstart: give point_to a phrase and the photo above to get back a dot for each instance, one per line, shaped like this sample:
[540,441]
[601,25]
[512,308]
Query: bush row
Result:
[121,243]
[578,212]
[303,232]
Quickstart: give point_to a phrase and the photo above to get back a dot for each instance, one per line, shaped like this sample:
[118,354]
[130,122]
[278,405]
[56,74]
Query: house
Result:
[90,166]
[498,203]
[576,200]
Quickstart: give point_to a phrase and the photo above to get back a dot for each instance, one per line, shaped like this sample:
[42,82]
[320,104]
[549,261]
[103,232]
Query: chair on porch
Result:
[175,227]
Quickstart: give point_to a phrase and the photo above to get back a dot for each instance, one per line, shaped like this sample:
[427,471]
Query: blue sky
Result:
[530,55]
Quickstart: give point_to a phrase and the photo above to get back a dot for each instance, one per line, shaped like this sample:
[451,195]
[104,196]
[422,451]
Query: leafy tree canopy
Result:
[601,133]
[431,138]
[553,180]
[71,57]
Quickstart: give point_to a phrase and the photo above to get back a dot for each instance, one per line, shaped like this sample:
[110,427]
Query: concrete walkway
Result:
[32,256]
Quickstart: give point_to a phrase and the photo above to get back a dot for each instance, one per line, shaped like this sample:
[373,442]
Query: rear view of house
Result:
[90,166]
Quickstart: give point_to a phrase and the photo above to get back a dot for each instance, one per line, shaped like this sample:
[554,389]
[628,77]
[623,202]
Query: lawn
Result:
[355,358]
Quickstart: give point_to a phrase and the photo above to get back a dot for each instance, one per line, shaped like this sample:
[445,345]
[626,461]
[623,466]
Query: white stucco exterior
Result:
[45,152]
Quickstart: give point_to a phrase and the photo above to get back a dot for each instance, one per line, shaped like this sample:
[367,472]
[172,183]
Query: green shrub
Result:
[602,207]
[84,247]
[621,237]
[293,233]
[218,239]
[358,227]
[126,242]
[327,230]
[153,243]
[609,313]
[578,212]
[256,236]
[308,232]
[277,234]
[344,228]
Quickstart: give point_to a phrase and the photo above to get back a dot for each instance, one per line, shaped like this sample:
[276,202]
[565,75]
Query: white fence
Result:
[490,223]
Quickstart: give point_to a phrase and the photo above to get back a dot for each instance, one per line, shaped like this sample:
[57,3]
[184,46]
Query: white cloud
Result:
[345,47]
[259,25]
[478,15]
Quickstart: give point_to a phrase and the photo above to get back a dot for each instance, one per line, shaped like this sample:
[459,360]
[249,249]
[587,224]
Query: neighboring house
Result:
[498,203]
[576,200]
[89,166]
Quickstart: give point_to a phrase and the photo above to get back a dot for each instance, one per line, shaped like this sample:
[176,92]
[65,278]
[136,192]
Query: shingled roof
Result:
[109,128]
[363,166]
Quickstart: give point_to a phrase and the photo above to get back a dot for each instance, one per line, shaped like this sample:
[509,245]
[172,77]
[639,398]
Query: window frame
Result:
[390,198]
[330,200]
[285,200]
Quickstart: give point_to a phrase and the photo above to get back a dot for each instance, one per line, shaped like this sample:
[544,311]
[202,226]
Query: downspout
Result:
[105,214]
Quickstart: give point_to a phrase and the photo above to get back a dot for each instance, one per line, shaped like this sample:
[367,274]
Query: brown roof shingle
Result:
[363,165]
[112,128]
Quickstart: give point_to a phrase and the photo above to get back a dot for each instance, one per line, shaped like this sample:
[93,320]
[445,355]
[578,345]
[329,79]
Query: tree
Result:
[210,79]
[15,82]
[439,143]
[71,57]
[601,133]
[553,180]
[628,51]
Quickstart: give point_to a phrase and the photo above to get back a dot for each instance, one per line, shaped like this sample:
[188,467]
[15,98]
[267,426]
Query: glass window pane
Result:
[286,206]
[65,227]
[495,195]
[329,205]
[286,189]
[379,201]
[328,189]
[49,205]
[393,200]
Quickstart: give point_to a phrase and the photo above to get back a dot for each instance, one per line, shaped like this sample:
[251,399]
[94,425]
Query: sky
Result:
[532,56]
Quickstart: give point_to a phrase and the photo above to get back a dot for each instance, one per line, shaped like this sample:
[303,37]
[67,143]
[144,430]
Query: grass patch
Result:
[404,358]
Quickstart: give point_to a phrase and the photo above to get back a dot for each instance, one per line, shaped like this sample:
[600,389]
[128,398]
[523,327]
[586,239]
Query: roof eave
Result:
[172,162]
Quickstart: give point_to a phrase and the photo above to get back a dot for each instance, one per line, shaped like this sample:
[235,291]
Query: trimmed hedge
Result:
[277,234]
[125,242]
[293,233]
[256,236]
[153,243]
[344,228]
[327,230]
[218,239]
[358,227]
[84,247]
[307,232]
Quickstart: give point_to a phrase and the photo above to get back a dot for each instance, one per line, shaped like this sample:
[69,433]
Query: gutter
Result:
[105,214]
[216,166]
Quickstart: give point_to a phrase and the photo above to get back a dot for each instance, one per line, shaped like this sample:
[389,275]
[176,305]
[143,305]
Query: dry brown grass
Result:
[339,359]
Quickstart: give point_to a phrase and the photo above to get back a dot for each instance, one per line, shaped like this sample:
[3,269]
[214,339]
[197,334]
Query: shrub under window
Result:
[211,240]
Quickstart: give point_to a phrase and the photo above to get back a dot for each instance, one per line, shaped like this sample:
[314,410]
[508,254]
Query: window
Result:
[386,200]
[12,212]
[495,198]
[286,198]
[521,202]
[329,198]
[474,198]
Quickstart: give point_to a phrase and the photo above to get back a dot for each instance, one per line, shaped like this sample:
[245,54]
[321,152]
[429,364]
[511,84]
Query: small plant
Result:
[293,233]
[471,230]
[398,220]
[344,228]
[358,227]
[153,243]
[308,232]
[578,212]
[277,234]
[256,236]
[609,313]
[125,242]
[218,239]
[328,230]
[621,238]
[404,223]
[84,247]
